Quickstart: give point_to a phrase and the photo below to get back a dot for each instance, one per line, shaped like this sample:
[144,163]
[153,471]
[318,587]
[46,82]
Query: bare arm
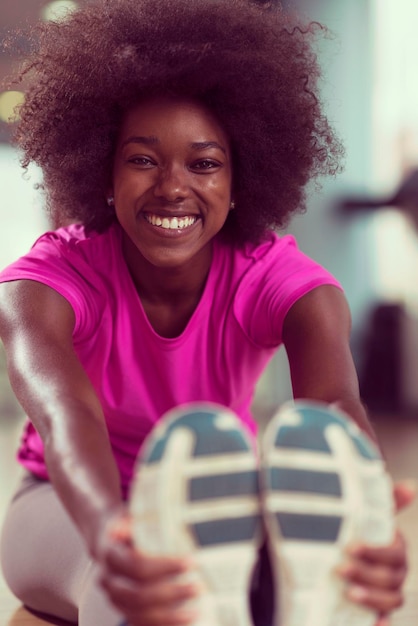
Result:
[36,326]
[316,336]
[49,381]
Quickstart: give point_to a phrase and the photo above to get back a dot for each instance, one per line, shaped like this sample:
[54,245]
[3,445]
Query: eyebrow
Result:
[204,145]
[152,140]
[148,141]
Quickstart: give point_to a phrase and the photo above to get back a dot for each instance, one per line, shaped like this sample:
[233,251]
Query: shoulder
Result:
[272,246]
[323,310]
[60,239]
[74,239]
[59,251]
[78,266]
[273,276]
[280,258]
[253,261]
[27,306]
[280,271]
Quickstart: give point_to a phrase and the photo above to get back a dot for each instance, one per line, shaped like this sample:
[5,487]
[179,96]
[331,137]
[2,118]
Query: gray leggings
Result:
[46,564]
[45,561]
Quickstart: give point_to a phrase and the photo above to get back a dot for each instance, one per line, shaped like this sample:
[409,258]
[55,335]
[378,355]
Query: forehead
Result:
[167,116]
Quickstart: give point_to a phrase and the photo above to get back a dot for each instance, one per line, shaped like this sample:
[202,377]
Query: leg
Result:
[45,562]
[94,608]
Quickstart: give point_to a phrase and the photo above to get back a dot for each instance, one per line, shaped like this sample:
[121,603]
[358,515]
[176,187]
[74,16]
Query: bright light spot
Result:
[58,10]
[8,101]
[21,208]
[395,139]
[395,90]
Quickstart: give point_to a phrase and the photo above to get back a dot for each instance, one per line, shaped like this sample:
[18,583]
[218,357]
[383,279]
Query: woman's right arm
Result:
[36,325]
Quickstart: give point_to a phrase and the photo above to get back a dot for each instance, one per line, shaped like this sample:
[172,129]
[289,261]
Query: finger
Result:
[128,596]
[393,555]
[380,600]
[158,616]
[404,493]
[128,562]
[383,621]
[372,575]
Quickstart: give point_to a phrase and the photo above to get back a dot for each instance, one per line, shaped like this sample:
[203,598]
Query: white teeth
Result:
[172,223]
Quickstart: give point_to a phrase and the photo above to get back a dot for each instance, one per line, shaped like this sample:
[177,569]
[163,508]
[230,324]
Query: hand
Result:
[375,575]
[146,589]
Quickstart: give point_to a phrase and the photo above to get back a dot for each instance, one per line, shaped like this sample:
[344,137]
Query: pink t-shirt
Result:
[139,375]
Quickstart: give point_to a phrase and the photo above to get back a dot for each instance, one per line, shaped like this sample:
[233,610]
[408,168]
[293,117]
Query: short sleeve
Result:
[55,261]
[278,278]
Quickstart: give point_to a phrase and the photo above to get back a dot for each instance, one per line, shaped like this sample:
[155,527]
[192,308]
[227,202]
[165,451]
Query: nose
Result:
[172,183]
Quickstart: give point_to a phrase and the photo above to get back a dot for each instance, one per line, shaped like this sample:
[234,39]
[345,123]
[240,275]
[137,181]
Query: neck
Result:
[168,284]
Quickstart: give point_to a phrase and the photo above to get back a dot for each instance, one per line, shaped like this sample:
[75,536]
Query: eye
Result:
[142,161]
[205,165]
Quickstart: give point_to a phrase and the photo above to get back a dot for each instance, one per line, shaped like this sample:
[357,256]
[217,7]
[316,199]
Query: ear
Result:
[110,200]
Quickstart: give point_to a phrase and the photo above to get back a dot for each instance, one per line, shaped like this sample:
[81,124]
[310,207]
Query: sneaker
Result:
[324,485]
[195,492]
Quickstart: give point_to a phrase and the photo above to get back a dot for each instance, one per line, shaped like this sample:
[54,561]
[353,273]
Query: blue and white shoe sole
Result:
[196,492]
[324,485]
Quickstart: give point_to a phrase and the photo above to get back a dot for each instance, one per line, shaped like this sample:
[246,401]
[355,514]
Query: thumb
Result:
[404,493]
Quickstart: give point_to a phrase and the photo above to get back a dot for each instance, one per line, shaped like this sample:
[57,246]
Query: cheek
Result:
[127,185]
[221,187]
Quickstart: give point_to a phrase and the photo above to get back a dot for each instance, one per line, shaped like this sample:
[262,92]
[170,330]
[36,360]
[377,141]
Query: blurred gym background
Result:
[352,226]
[361,225]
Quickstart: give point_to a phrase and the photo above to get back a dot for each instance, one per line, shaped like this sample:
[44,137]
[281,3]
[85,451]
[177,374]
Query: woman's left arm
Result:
[316,336]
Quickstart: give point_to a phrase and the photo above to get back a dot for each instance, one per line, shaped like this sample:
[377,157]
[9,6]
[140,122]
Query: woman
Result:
[173,137]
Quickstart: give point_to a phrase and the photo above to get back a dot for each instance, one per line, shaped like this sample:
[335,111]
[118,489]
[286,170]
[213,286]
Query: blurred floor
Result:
[399,440]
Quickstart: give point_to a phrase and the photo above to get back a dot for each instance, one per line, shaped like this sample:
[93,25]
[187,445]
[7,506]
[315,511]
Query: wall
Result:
[21,212]
[343,245]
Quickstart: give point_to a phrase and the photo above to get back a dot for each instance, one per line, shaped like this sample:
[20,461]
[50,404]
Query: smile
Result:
[171,223]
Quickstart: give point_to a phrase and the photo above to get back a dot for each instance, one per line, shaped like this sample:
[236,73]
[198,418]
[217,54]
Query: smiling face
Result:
[171,182]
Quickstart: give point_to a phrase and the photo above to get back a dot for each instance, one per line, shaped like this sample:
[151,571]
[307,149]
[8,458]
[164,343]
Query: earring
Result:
[111,201]
[232,205]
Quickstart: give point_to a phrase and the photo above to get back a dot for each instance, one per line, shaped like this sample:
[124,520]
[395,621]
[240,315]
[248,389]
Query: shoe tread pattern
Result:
[308,495]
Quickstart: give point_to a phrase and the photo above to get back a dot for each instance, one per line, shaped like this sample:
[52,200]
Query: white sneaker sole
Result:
[324,486]
[196,492]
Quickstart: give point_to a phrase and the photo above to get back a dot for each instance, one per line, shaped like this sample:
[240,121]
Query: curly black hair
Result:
[251,63]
